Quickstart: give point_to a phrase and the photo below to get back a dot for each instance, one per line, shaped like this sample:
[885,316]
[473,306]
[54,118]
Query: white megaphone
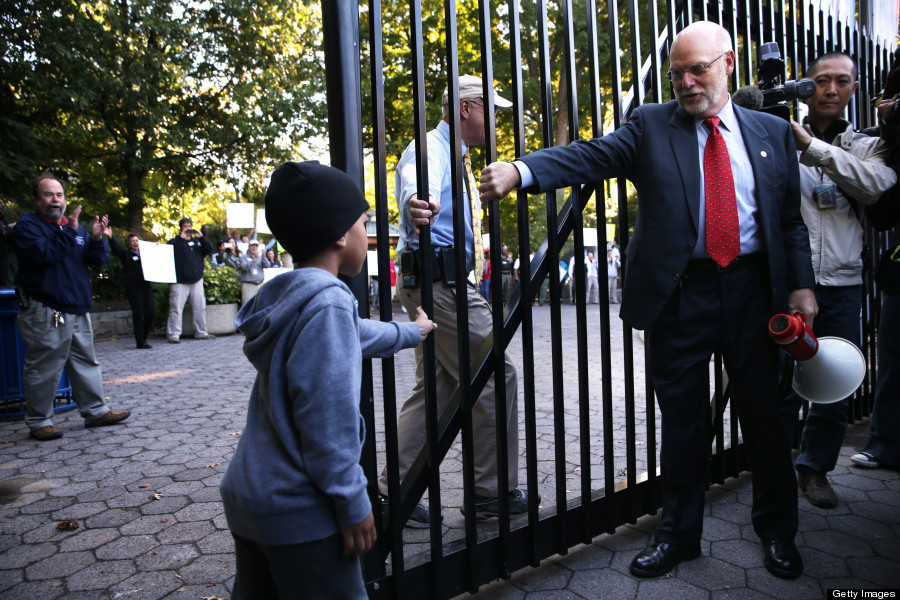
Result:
[828,369]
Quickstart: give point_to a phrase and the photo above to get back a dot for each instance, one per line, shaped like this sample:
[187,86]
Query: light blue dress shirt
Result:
[439,157]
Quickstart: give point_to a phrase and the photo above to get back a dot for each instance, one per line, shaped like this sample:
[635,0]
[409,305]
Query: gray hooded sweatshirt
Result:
[295,475]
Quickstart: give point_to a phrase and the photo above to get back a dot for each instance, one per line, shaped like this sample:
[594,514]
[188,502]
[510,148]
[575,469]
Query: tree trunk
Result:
[136,202]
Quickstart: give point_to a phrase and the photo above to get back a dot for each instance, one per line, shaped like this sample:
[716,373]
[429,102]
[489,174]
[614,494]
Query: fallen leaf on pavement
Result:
[156,496]
[68,525]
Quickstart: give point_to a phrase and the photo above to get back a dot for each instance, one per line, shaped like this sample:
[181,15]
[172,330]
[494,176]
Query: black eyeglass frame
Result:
[698,70]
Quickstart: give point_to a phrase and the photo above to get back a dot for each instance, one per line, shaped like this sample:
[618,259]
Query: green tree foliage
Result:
[111,92]
[397,78]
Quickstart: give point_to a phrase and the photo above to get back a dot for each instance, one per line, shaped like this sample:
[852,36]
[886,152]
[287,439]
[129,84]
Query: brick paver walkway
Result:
[145,495]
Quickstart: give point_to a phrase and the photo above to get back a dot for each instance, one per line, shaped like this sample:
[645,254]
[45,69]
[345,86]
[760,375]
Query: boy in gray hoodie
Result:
[294,493]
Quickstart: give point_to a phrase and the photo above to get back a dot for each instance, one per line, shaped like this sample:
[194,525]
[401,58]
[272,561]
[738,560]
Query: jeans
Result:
[826,424]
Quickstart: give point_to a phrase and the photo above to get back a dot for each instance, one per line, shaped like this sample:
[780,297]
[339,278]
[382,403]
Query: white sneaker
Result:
[864,459]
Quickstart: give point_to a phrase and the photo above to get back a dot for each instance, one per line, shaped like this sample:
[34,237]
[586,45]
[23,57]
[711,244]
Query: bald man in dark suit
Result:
[718,247]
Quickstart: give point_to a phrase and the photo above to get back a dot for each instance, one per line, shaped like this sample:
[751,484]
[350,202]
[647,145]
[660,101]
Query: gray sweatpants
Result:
[51,348]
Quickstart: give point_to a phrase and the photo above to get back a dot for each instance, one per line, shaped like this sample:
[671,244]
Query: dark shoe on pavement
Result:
[46,433]
[660,558]
[144,346]
[419,519]
[110,418]
[206,337]
[174,341]
[864,459]
[782,559]
[817,489]
[486,507]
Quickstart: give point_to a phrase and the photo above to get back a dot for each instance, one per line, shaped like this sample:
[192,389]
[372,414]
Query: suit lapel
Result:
[683,139]
[760,152]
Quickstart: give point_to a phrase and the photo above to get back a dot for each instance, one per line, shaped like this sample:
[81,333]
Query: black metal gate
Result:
[603,497]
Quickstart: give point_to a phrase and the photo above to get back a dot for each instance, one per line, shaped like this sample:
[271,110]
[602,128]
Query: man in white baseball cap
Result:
[437,211]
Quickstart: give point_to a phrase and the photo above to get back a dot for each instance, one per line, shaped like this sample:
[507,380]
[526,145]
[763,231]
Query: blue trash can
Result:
[12,362]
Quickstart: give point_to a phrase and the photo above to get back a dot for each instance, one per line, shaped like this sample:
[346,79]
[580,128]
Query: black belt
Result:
[708,264]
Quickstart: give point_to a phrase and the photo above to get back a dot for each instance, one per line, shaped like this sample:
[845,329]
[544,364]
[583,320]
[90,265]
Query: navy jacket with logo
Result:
[53,261]
[189,258]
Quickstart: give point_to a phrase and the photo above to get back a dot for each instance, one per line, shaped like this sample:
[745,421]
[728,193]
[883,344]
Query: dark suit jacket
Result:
[657,151]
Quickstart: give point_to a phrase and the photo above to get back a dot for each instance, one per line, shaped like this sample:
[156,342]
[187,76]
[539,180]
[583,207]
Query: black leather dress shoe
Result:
[659,559]
[782,559]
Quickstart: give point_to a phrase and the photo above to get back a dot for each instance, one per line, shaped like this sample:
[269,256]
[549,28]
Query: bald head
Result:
[704,33]
[700,63]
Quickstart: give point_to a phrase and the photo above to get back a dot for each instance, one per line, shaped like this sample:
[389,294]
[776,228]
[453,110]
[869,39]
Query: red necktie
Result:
[723,232]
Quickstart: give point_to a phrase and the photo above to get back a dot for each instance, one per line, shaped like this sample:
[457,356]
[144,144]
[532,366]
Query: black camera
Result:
[776,98]
[769,96]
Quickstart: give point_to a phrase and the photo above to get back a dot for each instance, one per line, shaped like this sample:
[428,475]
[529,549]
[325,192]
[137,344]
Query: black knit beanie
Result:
[309,206]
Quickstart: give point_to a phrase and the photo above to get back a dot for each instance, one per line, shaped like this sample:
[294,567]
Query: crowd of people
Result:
[742,215]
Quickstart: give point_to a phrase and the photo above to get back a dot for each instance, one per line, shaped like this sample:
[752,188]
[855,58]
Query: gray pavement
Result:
[150,524]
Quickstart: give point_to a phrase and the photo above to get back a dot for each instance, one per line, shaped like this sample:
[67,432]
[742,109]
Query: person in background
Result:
[54,252]
[437,210]
[486,278]
[506,273]
[612,275]
[191,247]
[218,258]
[272,257]
[593,279]
[841,171]
[250,269]
[137,289]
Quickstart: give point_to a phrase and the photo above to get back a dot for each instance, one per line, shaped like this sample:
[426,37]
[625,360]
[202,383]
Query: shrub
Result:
[221,284]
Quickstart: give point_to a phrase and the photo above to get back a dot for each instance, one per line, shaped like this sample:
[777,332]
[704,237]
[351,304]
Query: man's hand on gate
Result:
[497,180]
[421,212]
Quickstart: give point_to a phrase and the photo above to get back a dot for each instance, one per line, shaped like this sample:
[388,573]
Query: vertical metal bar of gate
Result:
[496,283]
[633,503]
[578,273]
[374,562]
[653,498]
[426,271]
[609,454]
[551,257]
[503,459]
[533,557]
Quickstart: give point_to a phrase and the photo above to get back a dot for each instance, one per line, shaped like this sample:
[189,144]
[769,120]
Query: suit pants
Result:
[840,308]
[729,312]
[411,421]
[178,295]
[613,284]
[884,440]
[69,343]
[143,310]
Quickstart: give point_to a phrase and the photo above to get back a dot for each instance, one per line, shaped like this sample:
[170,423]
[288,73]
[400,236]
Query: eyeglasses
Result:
[698,70]
[475,103]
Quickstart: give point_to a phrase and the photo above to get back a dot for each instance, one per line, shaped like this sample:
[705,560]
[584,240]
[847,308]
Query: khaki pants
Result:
[178,295]
[50,348]
[411,421]
[248,290]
